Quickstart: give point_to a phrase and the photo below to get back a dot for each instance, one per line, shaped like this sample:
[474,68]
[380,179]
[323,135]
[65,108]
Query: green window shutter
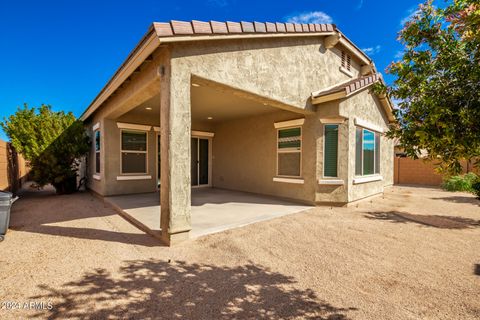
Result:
[330,156]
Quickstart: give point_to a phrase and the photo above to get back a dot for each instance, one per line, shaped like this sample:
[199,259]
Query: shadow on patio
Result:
[213,210]
[436,221]
[154,289]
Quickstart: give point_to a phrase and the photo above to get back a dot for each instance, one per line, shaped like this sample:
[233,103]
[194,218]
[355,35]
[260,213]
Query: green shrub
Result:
[52,143]
[461,182]
[476,188]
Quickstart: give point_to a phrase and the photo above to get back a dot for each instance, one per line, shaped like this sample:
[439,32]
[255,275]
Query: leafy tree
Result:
[438,84]
[52,142]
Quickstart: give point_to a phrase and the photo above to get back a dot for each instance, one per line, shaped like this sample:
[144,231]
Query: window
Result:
[346,61]
[289,152]
[134,152]
[367,152]
[97,150]
[330,152]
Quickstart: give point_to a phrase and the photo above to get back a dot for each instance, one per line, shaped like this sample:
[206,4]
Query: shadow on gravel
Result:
[436,221]
[460,199]
[154,289]
[37,211]
[476,269]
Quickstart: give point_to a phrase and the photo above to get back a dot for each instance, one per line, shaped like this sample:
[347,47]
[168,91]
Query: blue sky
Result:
[62,52]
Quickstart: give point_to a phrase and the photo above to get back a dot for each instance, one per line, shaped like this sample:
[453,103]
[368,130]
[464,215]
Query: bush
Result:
[476,188]
[461,182]
[51,142]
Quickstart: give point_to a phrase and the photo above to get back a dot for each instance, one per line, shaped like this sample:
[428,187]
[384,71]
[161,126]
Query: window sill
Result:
[367,179]
[96,177]
[346,71]
[143,177]
[289,180]
[336,182]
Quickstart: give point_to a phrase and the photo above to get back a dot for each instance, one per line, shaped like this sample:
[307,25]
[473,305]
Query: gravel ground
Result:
[411,254]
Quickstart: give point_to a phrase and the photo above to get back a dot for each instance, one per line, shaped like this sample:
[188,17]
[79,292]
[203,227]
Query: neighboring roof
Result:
[346,89]
[176,31]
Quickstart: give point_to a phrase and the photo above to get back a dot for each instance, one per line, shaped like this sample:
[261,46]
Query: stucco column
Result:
[175,122]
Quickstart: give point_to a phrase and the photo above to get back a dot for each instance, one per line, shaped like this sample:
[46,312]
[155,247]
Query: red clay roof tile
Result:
[181,27]
[173,28]
[247,27]
[163,29]
[271,27]
[201,27]
[260,27]
[234,27]
[219,27]
[351,86]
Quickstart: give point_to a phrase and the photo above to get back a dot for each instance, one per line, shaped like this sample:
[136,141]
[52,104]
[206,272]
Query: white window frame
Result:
[374,152]
[134,151]
[97,171]
[290,150]
[338,149]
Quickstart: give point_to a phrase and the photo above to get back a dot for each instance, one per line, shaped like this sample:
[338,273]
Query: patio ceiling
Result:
[207,102]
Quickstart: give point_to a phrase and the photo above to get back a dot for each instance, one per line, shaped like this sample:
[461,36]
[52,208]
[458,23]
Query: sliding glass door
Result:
[200,162]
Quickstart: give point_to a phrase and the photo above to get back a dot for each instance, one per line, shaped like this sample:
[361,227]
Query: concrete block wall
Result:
[410,171]
[13,169]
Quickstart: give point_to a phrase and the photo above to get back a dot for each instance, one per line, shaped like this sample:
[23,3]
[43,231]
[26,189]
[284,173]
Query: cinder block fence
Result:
[13,168]
[420,172]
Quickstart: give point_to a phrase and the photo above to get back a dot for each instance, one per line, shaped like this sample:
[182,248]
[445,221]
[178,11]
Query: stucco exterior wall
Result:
[244,150]
[283,69]
[113,162]
[98,186]
[364,105]
[110,156]
[332,193]
[245,157]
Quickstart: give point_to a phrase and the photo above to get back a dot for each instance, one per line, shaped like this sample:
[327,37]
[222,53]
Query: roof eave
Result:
[137,56]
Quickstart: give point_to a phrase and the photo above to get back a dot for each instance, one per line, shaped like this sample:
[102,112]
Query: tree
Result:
[438,84]
[52,143]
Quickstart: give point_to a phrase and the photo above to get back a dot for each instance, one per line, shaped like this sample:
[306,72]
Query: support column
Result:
[175,122]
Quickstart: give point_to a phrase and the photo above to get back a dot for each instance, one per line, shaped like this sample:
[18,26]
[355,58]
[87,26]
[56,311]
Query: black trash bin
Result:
[5,205]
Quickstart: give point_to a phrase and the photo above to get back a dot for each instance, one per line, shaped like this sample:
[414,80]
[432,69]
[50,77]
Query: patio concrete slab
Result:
[213,210]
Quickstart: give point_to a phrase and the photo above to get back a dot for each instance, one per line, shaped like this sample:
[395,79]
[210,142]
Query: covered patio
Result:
[213,210]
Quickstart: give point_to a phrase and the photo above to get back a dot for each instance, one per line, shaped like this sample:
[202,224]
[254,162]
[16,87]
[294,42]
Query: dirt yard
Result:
[412,254]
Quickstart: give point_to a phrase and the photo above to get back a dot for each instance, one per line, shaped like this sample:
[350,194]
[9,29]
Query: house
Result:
[278,109]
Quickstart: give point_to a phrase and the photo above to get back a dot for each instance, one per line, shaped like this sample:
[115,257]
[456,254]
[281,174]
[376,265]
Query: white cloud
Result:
[310,17]
[398,54]
[360,5]
[372,50]
[411,13]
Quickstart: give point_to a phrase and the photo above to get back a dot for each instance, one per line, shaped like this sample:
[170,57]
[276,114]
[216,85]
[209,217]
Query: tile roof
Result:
[351,86]
[194,27]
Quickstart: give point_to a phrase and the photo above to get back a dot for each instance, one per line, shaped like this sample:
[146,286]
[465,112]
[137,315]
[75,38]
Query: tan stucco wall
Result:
[244,150]
[97,186]
[283,69]
[366,106]
[245,157]
[332,193]
[112,163]
[110,155]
